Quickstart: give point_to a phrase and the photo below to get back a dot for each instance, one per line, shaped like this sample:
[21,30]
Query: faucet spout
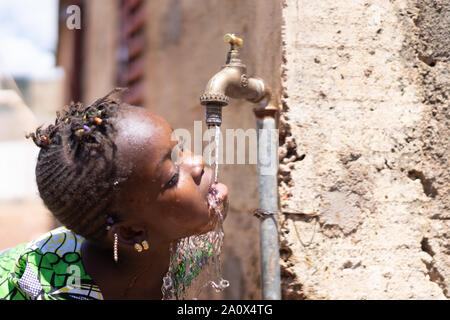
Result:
[232,81]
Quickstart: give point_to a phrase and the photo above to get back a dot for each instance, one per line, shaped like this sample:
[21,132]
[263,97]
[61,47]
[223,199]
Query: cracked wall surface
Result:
[364,146]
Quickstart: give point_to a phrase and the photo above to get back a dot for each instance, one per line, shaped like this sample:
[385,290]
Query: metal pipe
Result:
[268,201]
[266,123]
[232,82]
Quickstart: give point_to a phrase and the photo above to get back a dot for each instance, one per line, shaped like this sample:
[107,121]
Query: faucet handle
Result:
[233,40]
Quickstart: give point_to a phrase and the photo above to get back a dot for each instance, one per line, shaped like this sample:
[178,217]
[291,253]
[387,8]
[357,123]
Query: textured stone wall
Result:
[364,148]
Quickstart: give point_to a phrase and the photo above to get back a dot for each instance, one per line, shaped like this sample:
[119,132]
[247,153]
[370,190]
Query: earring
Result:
[137,247]
[116,251]
[142,246]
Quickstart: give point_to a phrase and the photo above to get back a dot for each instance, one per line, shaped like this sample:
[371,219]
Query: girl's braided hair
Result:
[76,171]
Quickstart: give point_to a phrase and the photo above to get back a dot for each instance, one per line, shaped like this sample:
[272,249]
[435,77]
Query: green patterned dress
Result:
[48,268]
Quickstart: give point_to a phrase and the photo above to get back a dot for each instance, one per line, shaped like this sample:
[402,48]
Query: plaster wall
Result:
[364,150]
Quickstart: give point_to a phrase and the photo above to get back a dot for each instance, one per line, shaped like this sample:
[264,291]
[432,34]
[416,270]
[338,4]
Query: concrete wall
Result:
[364,152]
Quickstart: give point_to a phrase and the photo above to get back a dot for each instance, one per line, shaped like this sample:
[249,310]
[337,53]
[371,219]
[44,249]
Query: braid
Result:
[76,170]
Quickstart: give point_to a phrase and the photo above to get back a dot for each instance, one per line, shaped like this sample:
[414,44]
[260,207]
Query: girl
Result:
[124,192]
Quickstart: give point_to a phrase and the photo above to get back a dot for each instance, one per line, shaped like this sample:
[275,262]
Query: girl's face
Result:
[166,194]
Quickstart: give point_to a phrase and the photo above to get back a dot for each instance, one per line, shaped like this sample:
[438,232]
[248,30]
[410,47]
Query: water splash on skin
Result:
[195,261]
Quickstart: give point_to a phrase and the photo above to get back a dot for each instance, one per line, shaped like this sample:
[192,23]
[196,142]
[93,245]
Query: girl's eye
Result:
[174,180]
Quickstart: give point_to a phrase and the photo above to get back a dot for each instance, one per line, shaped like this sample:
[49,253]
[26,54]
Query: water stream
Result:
[216,153]
[195,260]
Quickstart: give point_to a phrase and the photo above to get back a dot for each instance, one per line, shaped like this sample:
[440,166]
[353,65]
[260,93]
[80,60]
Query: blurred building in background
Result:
[31,90]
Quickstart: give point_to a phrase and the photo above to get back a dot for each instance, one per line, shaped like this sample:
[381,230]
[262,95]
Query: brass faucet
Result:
[232,81]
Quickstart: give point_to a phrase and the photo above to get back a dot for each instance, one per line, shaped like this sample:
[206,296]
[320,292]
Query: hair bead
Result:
[98,120]
[44,141]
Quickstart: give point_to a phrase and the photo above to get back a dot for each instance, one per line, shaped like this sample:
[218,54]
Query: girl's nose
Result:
[195,165]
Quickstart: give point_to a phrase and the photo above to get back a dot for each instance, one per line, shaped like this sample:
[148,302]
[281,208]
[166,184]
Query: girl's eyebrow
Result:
[168,154]
[165,156]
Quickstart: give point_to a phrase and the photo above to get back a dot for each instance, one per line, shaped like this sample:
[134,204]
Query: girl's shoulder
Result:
[49,267]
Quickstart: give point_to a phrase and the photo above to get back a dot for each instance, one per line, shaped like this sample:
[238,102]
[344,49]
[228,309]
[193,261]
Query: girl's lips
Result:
[219,192]
[221,189]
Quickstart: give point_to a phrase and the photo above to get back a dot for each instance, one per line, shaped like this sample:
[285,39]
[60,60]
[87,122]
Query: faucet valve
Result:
[233,55]
[233,40]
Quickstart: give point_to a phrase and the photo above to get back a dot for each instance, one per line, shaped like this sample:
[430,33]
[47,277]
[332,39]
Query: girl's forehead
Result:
[142,136]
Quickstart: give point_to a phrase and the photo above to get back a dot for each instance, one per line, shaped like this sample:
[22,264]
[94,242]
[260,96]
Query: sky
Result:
[28,37]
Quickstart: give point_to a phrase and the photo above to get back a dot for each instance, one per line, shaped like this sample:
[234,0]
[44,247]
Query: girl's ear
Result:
[128,235]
